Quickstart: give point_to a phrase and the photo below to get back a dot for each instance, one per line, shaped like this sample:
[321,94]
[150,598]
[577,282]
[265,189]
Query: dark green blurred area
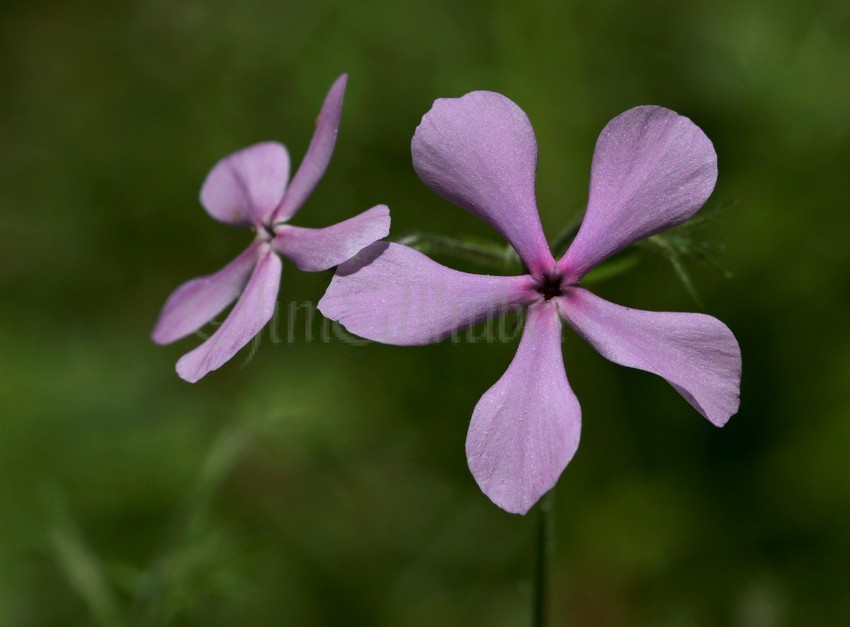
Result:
[326,484]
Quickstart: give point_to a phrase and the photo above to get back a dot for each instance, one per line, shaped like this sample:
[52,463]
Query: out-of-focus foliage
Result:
[325,483]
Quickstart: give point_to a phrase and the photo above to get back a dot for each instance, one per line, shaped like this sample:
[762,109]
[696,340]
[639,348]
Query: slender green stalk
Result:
[560,244]
[478,252]
[542,549]
[81,566]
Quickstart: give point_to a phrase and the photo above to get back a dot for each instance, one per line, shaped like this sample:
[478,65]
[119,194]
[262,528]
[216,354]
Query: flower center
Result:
[550,285]
[266,232]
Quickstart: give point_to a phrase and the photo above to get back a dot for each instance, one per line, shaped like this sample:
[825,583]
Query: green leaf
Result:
[672,251]
[482,253]
[689,241]
[612,268]
[560,244]
[81,567]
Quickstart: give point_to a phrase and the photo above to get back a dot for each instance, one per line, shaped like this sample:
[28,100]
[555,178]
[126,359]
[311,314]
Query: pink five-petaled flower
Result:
[249,189]
[652,169]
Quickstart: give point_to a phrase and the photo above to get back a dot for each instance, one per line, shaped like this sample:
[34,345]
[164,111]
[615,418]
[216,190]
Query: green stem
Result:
[482,254]
[540,595]
[560,244]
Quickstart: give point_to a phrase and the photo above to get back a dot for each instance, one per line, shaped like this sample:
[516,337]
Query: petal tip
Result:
[337,92]
[324,307]
[189,372]
[721,420]
[315,250]
[517,506]
[510,497]
[159,336]
[383,213]
[506,497]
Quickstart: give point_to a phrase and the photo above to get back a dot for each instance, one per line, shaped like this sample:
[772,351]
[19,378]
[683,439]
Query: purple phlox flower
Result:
[652,169]
[249,189]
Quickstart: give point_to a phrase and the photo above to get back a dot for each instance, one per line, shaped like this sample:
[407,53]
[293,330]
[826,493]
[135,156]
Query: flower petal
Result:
[480,153]
[198,301]
[318,155]
[525,429]
[319,249]
[695,353]
[652,169]
[245,187]
[250,314]
[396,295]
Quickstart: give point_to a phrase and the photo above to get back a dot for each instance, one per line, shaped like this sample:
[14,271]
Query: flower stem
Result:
[540,594]
[480,253]
[560,244]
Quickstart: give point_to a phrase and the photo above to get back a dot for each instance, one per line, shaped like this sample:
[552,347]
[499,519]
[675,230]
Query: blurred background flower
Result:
[327,484]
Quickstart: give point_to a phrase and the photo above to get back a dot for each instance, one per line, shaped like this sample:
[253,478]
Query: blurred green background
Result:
[326,484]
